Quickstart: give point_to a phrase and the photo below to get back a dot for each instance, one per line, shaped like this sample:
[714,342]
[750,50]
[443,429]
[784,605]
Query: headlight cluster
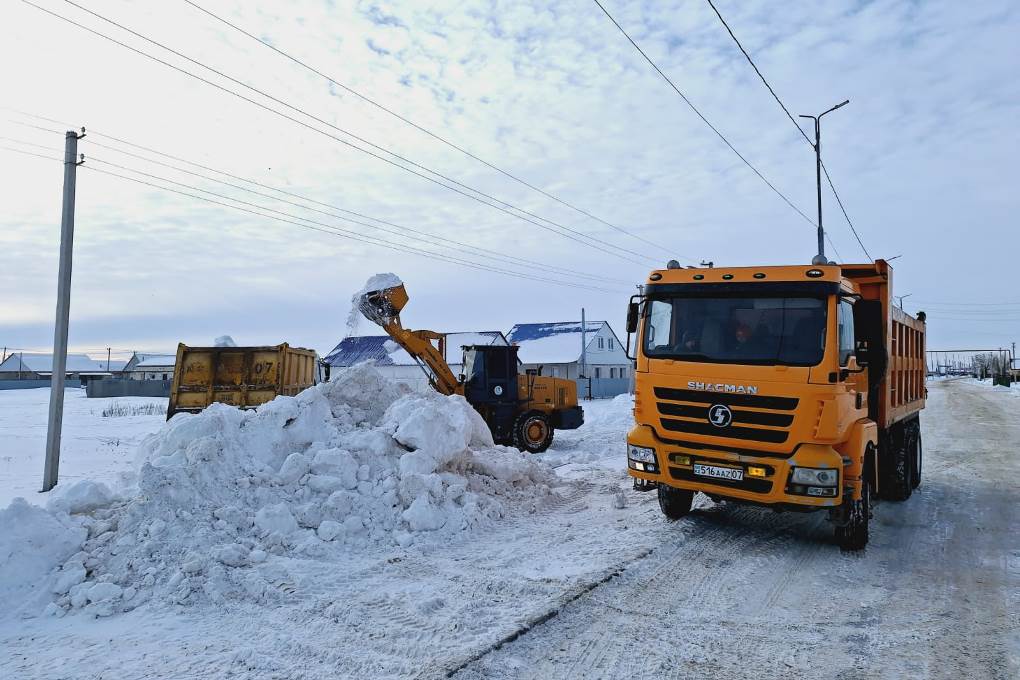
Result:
[641,458]
[815,482]
[815,477]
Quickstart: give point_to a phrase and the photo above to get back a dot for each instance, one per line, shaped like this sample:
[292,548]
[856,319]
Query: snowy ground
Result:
[94,446]
[577,586]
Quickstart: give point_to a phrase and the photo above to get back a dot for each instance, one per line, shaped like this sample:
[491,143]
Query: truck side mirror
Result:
[861,353]
[632,317]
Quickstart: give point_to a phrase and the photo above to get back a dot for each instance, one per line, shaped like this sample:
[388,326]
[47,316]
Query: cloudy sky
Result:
[924,158]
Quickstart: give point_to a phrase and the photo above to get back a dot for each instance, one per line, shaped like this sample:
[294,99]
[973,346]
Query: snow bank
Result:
[226,499]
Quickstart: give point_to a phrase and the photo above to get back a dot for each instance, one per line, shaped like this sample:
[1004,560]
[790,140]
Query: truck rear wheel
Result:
[675,503]
[532,432]
[894,465]
[854,534]
[918,457]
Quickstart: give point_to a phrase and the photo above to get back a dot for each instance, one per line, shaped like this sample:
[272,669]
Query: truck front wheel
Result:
[675,503]
[854,534]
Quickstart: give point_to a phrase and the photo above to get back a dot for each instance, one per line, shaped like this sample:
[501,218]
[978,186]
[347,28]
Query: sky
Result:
[924,158]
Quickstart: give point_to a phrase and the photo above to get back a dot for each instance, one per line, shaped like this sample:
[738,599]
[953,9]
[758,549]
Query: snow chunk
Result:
[276,519]
[81,496]
[224,341]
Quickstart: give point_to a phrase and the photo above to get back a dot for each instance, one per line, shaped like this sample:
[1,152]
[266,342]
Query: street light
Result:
[901,298]
[820,258]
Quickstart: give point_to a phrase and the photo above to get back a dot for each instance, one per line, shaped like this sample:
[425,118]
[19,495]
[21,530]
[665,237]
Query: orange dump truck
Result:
[796,388]
[239,376]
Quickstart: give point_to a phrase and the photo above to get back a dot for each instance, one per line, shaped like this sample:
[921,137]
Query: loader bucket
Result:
[382,307]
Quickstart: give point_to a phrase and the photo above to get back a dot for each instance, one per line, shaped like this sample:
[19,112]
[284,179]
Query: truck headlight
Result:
[815,476]
[640,454]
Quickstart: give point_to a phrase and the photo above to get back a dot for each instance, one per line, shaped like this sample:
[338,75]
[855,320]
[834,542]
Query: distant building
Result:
[394,363]
[25,366]
[150,367]
[556,347]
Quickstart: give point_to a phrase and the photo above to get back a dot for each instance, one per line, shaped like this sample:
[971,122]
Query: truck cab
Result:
[761,385]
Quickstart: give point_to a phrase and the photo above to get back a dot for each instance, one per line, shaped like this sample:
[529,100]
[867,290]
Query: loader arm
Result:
[382,307]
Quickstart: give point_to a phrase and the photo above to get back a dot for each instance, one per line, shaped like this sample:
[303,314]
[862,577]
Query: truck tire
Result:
[675,503]
[894,465]
[915,480]
[532,432]
[854,534]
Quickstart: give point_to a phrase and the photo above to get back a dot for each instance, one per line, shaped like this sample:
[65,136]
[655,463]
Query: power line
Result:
[702,116]
[418,127]
[792,120]
[315,225]
[498,204]
[490,254]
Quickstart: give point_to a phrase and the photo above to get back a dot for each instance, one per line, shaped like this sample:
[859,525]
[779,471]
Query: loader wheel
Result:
[854,535]
[532,432]
[675,503]
[894,468]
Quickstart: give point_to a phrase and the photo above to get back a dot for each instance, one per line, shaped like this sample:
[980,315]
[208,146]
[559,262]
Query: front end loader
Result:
[522,410]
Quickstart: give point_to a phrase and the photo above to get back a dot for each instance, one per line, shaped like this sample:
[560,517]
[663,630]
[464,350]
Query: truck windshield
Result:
[737,330]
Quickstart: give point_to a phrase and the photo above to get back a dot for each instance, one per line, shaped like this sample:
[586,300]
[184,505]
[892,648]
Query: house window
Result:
[610,343]
[598,372]
[601,341]
[612,372]
[623,372]
[164,376]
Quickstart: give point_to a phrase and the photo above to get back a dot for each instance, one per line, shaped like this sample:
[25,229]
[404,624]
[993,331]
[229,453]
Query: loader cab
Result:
[490,374]
[491,386]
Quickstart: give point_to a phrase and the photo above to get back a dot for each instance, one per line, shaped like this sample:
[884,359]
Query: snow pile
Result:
[224,341]
[228,500]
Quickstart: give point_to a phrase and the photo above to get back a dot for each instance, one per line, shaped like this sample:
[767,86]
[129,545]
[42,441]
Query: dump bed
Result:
[898,345]
[240,376]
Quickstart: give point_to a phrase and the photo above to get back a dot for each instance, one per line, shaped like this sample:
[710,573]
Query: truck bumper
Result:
[674,466]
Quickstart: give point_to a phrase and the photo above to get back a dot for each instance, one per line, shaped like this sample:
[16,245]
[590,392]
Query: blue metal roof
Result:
[357,349]
[523,332]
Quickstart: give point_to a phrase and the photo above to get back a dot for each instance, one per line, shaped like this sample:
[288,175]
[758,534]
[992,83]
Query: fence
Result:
[127,388]
[602,388]
[35,384]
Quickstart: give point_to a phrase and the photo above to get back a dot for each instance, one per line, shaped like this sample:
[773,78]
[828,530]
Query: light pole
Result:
[901,298]
[820,258]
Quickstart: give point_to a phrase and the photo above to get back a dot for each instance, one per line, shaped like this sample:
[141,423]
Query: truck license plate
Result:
[719,472]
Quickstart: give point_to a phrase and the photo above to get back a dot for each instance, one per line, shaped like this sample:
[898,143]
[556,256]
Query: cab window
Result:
[845,332]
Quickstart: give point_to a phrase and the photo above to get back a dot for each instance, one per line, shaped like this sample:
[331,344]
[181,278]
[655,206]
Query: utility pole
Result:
[820,258]
[107,359]
[584,347]
[56,418]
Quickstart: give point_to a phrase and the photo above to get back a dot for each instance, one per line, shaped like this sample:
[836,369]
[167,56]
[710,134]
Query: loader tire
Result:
[675,503]
[854,534]
[532,432]
[894,467]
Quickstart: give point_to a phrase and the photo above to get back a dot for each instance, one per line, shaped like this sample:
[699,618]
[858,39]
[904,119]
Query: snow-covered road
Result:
[579,587]
[758,595]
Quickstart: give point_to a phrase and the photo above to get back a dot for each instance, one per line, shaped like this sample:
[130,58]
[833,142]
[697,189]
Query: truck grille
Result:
[755,418]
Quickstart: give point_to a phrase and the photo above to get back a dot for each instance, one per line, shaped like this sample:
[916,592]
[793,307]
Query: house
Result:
[26,366]
[150,367]
[394,363]
[556,348]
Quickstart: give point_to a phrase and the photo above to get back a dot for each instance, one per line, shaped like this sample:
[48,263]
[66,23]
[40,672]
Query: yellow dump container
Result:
[240,376]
